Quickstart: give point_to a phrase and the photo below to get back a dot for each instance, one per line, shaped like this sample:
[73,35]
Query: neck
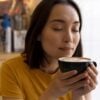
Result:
[50,67]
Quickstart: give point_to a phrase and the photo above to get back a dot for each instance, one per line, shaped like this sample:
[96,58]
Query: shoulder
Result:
[14,60]
[13,69]
[10,73]
[13,63]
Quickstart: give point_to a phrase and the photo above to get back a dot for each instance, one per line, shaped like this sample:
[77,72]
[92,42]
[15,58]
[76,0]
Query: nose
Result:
[68,37]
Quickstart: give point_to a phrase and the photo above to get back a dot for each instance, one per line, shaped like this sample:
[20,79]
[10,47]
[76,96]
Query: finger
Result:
[92,83]
[93,68]
[92,75]
[77,78]
[87,89]
[79,84]
[66,75]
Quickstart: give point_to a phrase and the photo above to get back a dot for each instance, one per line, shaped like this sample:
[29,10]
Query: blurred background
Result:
[14,14]
[91,35]
[19,12]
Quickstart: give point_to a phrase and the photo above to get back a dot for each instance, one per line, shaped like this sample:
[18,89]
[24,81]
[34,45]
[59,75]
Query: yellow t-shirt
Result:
[19,81]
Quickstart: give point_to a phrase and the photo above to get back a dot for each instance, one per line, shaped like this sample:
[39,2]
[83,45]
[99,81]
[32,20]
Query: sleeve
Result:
[8,84]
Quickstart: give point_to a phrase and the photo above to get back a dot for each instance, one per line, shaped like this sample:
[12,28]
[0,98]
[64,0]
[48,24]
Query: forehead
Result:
[64,12]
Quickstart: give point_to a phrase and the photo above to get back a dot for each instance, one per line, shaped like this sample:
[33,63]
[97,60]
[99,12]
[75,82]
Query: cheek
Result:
[76,40]
[50,38]
[50,42]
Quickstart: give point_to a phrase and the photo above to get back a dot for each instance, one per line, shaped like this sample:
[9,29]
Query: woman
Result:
[54,32]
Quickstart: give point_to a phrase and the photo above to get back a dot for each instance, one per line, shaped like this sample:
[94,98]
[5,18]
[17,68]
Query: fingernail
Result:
[75,71]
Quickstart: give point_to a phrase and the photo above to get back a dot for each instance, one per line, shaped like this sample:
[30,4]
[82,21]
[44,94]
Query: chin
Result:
[65,55]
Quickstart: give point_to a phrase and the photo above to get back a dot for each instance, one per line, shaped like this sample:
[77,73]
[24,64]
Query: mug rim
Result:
[85,59]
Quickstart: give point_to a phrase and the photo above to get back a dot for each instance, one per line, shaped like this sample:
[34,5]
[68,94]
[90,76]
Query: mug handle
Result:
[95,63]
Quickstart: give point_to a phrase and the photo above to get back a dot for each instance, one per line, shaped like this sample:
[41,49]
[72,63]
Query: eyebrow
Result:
[62,21]
[76,22]
[57,20]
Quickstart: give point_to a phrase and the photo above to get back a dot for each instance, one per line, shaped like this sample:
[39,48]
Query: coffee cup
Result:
[74,63]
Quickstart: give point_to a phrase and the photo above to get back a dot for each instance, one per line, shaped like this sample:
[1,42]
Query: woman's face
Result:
[60,35]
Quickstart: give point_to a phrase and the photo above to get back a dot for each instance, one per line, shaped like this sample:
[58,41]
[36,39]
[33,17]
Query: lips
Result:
[66,48]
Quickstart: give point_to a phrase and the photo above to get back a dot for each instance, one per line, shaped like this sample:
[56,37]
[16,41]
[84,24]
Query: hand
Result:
[91,82]
[65,82]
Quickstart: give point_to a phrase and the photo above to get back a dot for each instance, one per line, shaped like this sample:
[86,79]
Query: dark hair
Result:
[34,52]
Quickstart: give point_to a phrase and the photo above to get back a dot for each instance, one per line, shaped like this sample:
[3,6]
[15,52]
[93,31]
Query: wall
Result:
[91,34]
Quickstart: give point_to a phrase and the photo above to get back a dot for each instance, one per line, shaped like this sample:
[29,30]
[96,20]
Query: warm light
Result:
[2,0]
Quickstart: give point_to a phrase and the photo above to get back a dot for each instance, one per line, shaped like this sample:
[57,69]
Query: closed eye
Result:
[75,30]
[57,29]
